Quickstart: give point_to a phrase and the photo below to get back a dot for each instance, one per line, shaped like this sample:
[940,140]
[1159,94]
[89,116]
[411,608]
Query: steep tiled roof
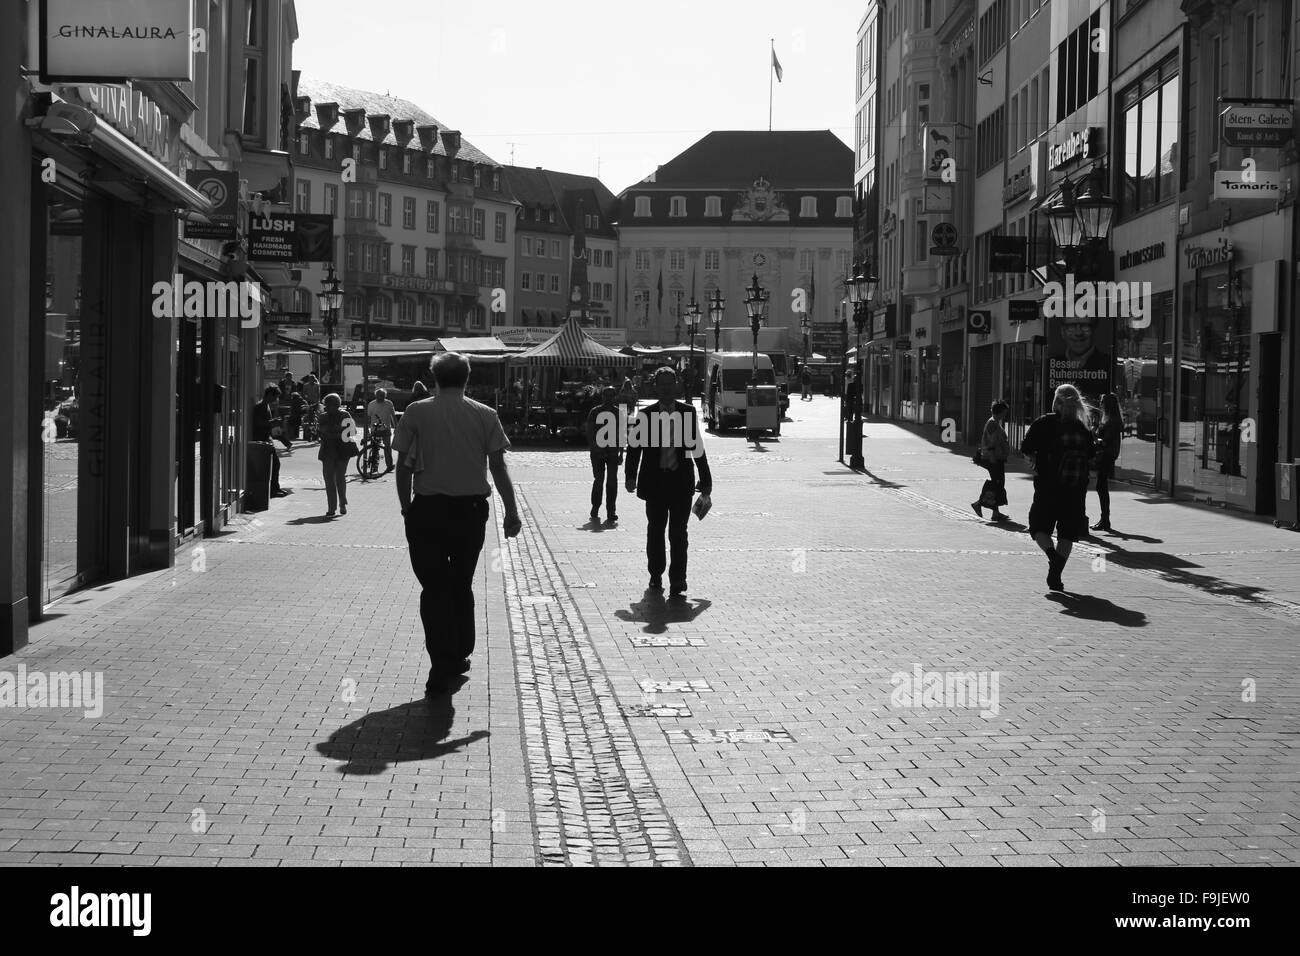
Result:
[732,158]
[546,187]
[374,104]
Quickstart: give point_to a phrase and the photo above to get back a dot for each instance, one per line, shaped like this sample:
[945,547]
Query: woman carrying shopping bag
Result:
[993,451]
[1109,432]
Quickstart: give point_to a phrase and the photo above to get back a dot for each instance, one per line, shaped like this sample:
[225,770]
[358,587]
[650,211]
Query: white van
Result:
[727,380]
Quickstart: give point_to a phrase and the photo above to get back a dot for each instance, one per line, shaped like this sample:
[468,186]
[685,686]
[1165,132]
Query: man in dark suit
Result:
[665,446]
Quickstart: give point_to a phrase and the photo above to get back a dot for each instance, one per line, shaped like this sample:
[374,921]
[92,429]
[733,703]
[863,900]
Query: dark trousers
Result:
[1104,473]
[674,513]
[998,475]
[445,537]
[385,436]
[335,473]
[604,468]
[275,471]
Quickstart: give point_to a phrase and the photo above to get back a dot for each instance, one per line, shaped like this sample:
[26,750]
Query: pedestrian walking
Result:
[1109,434]
[1062,445]
[627,396]
[445,448]
[602,421]
[338,446]
[311,389]
[805,385]
[381,416]
[265,421]
[993,451]
[662,473]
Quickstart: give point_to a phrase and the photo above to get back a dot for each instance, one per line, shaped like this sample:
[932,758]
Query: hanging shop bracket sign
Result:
[1266,124]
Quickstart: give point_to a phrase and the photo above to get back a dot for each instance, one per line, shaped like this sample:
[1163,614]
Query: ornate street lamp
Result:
[1095,208]
[756,305]
[331,302]
[862,288]
[1081,220]
[692,328]
[717,309]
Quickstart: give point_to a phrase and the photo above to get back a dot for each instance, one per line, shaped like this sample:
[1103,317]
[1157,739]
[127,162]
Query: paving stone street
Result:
[263,699]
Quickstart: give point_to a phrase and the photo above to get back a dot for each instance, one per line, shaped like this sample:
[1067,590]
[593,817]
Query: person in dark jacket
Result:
[337,447]
[1109,433]
[265,418]
[1062,444]
[665,447]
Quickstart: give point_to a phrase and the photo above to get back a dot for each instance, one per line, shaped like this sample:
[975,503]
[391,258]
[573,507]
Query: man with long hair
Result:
[1062,444]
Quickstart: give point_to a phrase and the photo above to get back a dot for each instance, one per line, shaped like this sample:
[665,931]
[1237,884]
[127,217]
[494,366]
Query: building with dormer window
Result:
[735,205]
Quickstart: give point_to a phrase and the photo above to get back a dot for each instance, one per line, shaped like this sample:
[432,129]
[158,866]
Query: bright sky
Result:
[577,83]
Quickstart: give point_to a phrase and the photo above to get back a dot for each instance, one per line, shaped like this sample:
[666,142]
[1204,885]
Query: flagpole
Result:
[770,70]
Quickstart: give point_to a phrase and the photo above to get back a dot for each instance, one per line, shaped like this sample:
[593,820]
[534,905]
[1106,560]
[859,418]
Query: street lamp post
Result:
[331,303]
[861,286]
[717,308]
[692,327]
[756,304]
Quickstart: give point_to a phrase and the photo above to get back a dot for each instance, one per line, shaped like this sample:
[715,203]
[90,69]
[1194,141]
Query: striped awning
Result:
[571,347]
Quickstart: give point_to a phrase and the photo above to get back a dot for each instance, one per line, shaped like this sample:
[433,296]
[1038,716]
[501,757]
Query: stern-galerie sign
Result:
[89,40]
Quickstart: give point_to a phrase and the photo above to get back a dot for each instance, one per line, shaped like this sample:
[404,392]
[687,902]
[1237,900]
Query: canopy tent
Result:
[571,347]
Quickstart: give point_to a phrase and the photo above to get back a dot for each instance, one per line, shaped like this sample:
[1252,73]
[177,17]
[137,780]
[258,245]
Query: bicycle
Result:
[311,424]
[369,462]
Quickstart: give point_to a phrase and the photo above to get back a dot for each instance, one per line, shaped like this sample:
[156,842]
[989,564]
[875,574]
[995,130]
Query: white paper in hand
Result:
[702,505]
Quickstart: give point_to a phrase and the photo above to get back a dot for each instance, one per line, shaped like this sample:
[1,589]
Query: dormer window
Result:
[642,206]
[383,157]
[713,206]
[406,161]
[677,207]
[808,207]
[329,146]
[478,175]
[844,207]
[496,181]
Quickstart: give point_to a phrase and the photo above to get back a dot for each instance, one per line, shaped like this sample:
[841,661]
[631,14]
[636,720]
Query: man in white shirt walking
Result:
[381,415]
[445,446]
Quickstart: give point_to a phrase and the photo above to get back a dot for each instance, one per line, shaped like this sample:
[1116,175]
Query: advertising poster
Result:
[1079,353]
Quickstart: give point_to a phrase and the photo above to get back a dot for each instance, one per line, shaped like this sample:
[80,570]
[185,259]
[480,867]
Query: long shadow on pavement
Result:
[657,614]
[1089,607]
[414,731]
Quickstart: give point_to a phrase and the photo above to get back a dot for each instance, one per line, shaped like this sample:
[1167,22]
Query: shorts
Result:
[1059,512]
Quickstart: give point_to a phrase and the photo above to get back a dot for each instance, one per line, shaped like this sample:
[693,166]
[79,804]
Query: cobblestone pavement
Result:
[263,698]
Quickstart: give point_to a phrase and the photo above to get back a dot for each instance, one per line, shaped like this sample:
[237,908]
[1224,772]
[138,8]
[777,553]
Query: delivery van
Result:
[727,382]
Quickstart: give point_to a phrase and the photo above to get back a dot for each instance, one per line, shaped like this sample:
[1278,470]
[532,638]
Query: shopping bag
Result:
[992,495]
[702,505]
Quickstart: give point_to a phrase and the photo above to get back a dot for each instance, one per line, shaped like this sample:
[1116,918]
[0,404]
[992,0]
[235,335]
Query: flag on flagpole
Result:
[776,65]
[812,289]
[659,306]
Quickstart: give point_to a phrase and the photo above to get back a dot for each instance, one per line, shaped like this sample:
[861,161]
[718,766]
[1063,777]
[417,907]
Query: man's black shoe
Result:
[677,591]
[1055,565]
[280,494]
[613,519]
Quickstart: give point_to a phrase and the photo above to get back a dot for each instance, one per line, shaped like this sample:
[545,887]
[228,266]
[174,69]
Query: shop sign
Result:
[1263,126]
[979,321]
[290,237]
[1076,146]
[1136,257]
[903,345]
[1022,310]
[1008,253]
[133,114]
[95,41]
[1018,184]
[222,189]
[1262,184]
[1200,257]
[410,283]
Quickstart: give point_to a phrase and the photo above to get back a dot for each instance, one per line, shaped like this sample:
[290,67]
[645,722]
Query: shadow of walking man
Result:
[414,731]
[657,614]
[1088,607]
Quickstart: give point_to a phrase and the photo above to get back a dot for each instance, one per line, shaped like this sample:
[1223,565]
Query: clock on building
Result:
[760,260]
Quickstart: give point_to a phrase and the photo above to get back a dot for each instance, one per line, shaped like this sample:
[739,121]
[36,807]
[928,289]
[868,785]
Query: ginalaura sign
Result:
[90,40]
[132,113]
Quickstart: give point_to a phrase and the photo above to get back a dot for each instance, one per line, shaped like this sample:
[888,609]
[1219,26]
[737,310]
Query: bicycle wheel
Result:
[368,460]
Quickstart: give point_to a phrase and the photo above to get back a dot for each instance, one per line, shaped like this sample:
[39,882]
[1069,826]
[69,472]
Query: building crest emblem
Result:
[761,203]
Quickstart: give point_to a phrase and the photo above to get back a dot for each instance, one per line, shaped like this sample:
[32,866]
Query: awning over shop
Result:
[126,155]
[571,346]
[474,345]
